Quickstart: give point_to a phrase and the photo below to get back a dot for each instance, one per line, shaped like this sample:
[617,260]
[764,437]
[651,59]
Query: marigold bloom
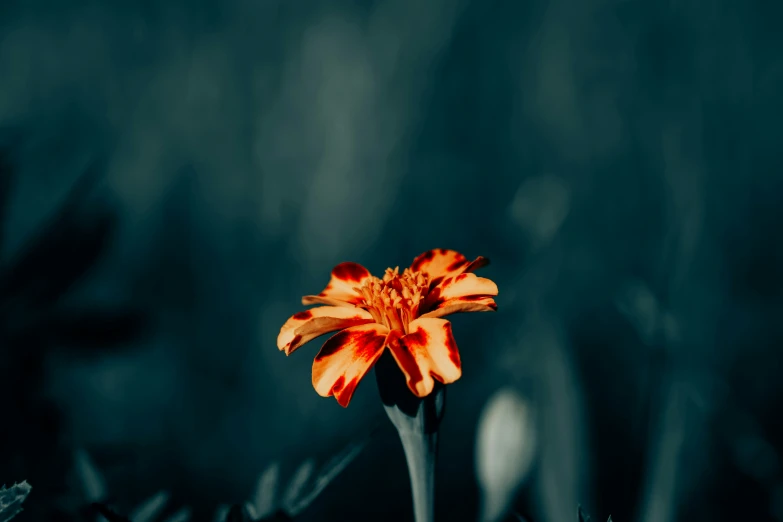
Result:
[401,312]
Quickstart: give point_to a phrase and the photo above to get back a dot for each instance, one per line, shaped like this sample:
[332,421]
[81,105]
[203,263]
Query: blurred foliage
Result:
[11,500]
[267,505]
[36,320]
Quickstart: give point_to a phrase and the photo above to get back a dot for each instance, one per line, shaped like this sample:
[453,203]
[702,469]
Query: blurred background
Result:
[175,176]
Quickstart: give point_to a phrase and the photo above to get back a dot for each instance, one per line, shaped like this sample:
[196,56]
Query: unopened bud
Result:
[505,447]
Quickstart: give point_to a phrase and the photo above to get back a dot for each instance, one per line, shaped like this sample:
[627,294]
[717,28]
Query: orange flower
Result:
[401,312]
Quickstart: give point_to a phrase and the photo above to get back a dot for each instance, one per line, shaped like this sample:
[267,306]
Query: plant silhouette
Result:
[36,319]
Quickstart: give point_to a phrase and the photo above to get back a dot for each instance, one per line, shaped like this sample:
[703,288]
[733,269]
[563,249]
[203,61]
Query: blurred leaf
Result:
[221,512]
[561,454]
[150,509]
[92,481]
[57,259]
[263,501]
[11,500]
[330,471]
[109,514]
[298,482]
[666,452]
[251,511]
[63,251]
[95,328]
[505,447]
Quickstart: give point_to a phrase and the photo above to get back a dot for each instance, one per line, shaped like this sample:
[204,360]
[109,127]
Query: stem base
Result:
[417,421]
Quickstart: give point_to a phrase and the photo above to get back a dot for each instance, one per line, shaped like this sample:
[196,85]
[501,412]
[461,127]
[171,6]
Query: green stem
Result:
[420,455]
[417,421]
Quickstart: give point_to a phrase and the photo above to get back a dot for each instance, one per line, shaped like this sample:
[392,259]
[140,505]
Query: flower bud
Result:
[505,447]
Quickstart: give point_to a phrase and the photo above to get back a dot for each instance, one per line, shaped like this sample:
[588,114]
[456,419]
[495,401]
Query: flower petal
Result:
[479,262]
[340,290]
[427,352]
[439,262]
[465,284]
[470,303]
[346,358]
[306,325]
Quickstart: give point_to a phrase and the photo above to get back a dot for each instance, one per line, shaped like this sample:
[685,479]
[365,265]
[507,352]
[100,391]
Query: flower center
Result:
[394,300]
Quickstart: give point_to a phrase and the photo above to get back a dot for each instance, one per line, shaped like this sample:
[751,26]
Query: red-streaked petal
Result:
[479,262]
[346,358]
[306,325]
[439,262]
[462,285]
[471,303]
[340,290]
[426,353]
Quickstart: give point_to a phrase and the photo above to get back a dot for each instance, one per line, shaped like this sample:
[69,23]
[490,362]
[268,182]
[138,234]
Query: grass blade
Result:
[91,478]
[298,482]
[150,509]
[329,472]
[220,513]
[263,501]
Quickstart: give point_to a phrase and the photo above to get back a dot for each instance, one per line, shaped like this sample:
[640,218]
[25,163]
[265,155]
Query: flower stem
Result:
[420,454]
[417,421]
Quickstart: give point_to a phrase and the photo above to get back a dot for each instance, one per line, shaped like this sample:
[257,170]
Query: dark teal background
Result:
[618,161]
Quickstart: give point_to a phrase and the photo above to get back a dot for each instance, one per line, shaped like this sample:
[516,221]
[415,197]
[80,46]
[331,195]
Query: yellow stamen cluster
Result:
[394,300]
